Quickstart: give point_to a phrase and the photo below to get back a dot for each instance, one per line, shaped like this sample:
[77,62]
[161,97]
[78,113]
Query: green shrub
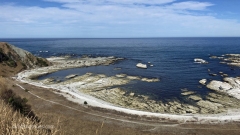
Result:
[11,63]
[41,62]
[18,104]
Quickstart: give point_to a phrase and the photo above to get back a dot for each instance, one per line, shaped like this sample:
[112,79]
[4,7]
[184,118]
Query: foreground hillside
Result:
[14,60]
[12,123]
[17,117]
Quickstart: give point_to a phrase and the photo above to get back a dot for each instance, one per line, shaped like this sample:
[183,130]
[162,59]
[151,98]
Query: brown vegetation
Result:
[16,116]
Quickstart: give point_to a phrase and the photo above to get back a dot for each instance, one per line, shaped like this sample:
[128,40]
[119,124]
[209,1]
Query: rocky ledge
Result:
[61,63]
[228,85]
[108,88]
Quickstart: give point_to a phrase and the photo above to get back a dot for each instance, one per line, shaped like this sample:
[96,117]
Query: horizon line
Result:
[114,37]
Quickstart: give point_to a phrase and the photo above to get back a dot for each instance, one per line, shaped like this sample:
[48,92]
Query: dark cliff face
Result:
[14,60]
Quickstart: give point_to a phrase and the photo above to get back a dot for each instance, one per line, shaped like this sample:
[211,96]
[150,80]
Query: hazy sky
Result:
[119,18]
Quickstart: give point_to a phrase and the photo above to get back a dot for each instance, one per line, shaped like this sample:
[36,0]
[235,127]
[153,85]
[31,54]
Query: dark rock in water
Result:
[213,57]
[117,68]
[212,74]
[71,76]
[224,75]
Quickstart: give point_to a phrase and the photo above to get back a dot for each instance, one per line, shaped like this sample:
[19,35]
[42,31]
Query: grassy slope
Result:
[13,122]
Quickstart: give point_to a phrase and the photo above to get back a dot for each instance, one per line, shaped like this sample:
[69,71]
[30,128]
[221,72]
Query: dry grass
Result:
[13,122]
[100,132]
[3,84]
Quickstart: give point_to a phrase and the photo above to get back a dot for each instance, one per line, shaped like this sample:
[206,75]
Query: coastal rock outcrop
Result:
[230,85]
[230,59]
[219,86]
[14,59]
[111,90]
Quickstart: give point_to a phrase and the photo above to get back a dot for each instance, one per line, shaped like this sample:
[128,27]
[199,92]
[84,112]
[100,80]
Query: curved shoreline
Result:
[79,97]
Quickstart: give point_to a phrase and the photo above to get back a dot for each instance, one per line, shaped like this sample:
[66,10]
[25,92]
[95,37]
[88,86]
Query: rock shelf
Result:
[108,89]
[229,85]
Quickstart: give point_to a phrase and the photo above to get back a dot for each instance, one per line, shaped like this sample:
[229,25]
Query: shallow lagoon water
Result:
[172,59]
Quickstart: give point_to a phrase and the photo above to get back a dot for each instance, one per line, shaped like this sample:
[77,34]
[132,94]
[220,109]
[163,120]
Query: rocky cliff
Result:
[14,59]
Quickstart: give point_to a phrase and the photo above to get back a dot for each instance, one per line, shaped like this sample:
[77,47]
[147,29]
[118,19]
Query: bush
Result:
[11,63]
[18,104]
[41,62]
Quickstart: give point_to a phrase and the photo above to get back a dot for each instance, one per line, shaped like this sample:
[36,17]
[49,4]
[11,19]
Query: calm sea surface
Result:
[173,60]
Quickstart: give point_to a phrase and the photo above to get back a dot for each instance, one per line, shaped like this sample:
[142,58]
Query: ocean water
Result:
[173,60]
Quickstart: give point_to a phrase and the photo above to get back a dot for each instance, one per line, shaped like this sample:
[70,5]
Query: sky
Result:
[119,18]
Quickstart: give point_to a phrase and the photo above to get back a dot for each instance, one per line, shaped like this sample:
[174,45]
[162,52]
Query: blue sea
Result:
[172,59]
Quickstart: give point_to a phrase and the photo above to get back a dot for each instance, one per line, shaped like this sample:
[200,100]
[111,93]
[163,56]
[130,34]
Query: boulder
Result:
[213,57]
[71,76]
[224,75]
[133,77]
[140,65]
[150,80]
[219,86]
[132,94]
[121,75]
[201,61]
[195,98]
[187,93]
[203,81]
[212,74]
